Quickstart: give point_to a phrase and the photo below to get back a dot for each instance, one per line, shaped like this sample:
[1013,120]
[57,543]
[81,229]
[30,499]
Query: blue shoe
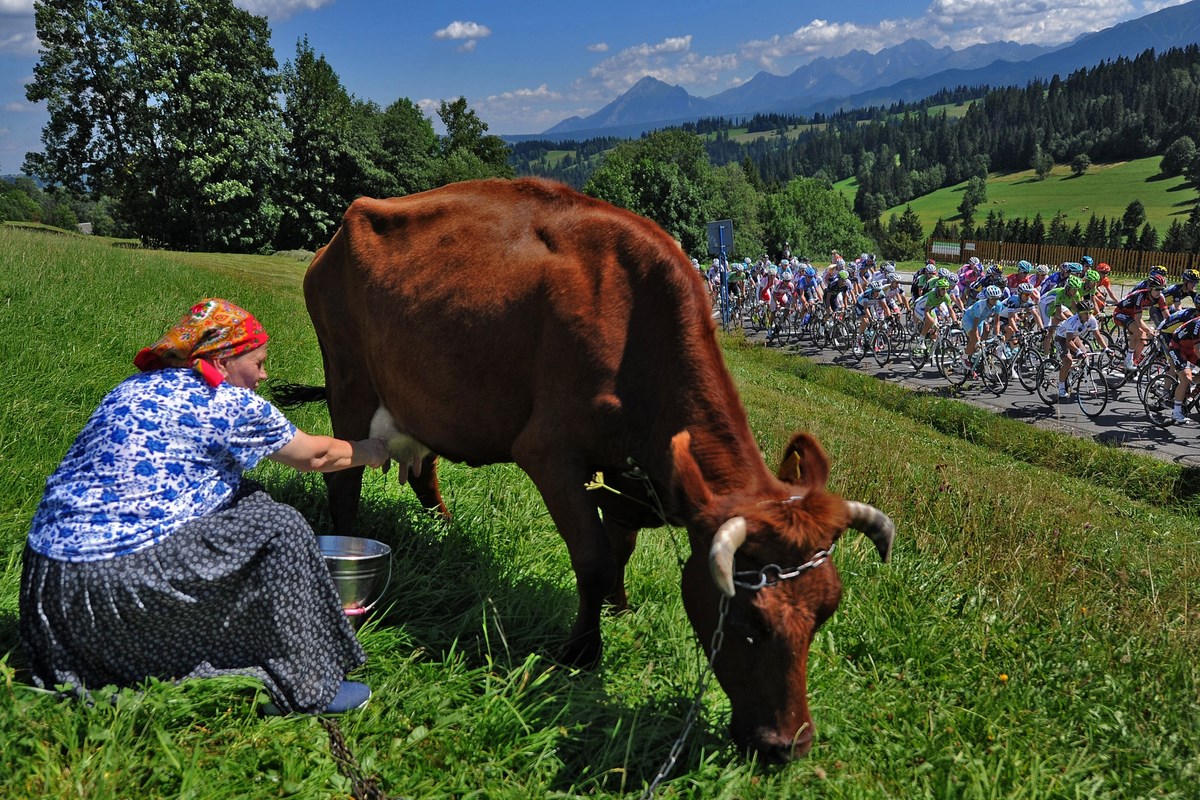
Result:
[351,695]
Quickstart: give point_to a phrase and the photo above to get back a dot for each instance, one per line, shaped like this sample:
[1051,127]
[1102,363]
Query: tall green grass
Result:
[1033,637]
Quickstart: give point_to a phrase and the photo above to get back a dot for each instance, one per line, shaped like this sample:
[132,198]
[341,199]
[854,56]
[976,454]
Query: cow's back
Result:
[482,306]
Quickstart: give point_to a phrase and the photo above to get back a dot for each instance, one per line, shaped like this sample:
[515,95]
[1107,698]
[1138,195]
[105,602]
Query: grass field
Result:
[1033,637]
[1104,190]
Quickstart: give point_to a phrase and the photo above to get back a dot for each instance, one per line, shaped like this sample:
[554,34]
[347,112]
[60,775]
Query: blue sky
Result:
[525,65]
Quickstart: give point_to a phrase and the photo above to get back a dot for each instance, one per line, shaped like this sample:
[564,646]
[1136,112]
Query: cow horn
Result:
[877,525]
[726,541]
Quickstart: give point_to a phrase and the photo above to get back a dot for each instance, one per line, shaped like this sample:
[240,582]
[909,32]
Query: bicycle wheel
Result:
[949,354]
[918,353]
[841,336]
[1091,389]
[1160,400]
[1047,383]
[1028,363]
[881,348]
[858,347]
[994,372]
[1147,371]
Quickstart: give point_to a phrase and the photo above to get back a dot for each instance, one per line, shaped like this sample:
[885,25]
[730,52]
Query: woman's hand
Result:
[308,453]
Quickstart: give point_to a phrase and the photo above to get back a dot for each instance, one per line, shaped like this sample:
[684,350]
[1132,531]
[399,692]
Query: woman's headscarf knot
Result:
[213,329]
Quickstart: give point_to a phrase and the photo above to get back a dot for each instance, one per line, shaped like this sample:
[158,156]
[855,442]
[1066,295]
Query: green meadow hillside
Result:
[1104,190]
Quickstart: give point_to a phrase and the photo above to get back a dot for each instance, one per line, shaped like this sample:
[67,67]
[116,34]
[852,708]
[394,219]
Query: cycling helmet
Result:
[1091,276]
[746,261]
[1074,282]
[1156,282]
[945,273]
[1025,288]
[890,269]
[995,269]
[878,286]
[1074,267]
[772,270]
[1191,276]
[1157,270]
[786,275]
[1103,268]
[1084,308]
[941,283]
[973,261]
[1087,261]
[1042,269]
[993,291]
[930,268]
[843,275]
[810,271]
[1024,267]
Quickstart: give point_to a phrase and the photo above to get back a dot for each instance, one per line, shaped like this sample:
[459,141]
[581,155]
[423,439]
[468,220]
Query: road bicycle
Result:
[991,363]
[1159,400]
[1087,381]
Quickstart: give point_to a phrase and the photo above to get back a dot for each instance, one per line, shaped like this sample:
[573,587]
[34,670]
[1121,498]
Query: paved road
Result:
[1123,422]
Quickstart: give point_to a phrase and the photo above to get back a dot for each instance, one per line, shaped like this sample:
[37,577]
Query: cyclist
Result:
[808,290]
[894,293]
[870,304]
[1012,308]
[1058,304]
[1071,339]
[928,305]
[970,272]
[1182,351]
[1145,282]
[1105,293]
[984,312]
[1091,288]
[922,277]
[992,276]
[1057,278]
[1176,292]
[1128,314]
[1024,269]
[834,292]
[1040,273]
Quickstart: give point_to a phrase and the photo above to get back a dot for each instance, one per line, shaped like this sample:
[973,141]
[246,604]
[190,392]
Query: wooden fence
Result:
[1135,261]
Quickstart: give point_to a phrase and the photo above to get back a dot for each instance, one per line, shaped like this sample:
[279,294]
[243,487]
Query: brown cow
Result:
[584,343]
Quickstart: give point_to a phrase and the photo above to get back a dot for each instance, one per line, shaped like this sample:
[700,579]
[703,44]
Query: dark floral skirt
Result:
[244,591]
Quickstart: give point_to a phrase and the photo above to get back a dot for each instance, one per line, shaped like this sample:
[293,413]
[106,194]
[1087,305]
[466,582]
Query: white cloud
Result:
[670,60]
[18,108]
[278,9]
[542,92]
[16,7]
[463,30]
[469,33]
[598,47]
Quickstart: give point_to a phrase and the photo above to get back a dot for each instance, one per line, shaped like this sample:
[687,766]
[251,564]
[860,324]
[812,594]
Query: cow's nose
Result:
[775,748]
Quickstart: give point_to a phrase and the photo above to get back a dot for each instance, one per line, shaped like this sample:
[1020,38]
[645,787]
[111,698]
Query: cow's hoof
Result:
[581,654]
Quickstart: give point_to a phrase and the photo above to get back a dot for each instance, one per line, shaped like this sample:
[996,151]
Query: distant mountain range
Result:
[907,72]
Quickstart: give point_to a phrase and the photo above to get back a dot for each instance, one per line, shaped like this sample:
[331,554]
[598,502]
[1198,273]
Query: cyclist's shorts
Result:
[1182,354]
[1123,319]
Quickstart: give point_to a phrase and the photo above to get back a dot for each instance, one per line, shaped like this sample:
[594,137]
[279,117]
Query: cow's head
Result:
[762,662]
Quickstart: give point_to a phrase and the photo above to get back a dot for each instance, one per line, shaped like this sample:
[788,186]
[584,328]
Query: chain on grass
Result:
[362,787]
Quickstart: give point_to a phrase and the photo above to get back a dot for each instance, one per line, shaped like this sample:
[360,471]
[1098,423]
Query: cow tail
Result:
[294,395]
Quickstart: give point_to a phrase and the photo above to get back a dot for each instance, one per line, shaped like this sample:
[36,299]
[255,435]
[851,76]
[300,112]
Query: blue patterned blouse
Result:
[162,449]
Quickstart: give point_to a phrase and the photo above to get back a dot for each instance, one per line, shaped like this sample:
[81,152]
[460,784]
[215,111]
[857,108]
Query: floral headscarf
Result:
[213,329]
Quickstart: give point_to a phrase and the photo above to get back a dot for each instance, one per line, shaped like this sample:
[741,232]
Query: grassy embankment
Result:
[1033,637]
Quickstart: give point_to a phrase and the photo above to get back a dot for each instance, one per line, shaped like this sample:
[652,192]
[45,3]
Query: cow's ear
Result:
[688,477]
[804,463]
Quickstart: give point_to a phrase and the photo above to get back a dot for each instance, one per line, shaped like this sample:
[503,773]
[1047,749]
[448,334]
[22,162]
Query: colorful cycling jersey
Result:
[978,286]
[979,312]
[1063,297]
[1177,320]
[870,299]
[1015,280]
[1055,280]
[836,287]
[1188,332]
[1074,326]
[1175,293]
[1014,303]
[1134,303]
[928,302]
